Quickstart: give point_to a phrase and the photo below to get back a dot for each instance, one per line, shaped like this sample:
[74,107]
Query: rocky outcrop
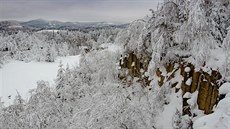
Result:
[203,82]
[136,66]
[208,91]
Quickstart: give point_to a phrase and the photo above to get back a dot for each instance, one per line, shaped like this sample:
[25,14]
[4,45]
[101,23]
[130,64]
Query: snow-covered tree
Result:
[50,53]
[43,109]
[219,19]
[226,46]
[60,76]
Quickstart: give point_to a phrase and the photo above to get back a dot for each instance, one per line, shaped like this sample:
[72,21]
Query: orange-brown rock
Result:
[134,66]
[202,95]
[195,81]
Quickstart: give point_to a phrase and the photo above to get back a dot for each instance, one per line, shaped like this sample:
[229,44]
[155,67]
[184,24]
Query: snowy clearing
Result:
[21,76]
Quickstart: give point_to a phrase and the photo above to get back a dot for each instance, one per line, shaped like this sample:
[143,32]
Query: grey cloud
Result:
[76,10]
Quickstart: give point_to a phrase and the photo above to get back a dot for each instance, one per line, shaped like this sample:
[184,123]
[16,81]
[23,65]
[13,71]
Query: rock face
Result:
[201,81]
[135,66]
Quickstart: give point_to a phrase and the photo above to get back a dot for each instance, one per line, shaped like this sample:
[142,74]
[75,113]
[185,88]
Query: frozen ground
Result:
[21,76]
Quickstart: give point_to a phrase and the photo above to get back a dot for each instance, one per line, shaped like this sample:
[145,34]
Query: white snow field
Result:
[20,76]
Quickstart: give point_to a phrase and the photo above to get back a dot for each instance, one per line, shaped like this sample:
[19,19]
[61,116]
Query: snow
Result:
[220,119]
[192,101]
[225,88]
[164,121]
[51,31]
[193,98]
[207,70]
[112,47]
[15,27]
[133,64]
[178,78]
[188,82]
[187,69]
[217,59]
[187,95]
[21,76]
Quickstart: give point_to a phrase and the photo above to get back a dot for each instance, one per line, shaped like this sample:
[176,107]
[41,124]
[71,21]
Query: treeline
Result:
[46,45]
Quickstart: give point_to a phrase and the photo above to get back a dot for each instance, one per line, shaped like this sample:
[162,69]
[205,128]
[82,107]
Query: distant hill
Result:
[44,24]
[10,24]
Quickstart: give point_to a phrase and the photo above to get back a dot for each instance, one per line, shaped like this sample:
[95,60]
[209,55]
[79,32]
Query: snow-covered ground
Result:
[169,111]
[20,76]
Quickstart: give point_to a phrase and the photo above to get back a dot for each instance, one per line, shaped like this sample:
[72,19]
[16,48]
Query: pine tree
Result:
[51,52]
[60,76]
[18,99]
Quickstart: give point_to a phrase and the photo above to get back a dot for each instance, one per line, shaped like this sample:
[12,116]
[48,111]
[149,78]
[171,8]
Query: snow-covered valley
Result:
[22,77]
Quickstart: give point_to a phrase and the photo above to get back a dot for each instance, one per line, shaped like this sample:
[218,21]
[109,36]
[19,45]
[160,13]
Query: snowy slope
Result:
[169,111]
[21,76]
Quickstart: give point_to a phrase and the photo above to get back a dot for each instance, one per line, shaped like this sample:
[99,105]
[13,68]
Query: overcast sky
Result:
[76,10]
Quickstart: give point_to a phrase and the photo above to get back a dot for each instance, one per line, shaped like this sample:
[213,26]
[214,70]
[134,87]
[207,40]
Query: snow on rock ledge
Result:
[225,88]
[221,115]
